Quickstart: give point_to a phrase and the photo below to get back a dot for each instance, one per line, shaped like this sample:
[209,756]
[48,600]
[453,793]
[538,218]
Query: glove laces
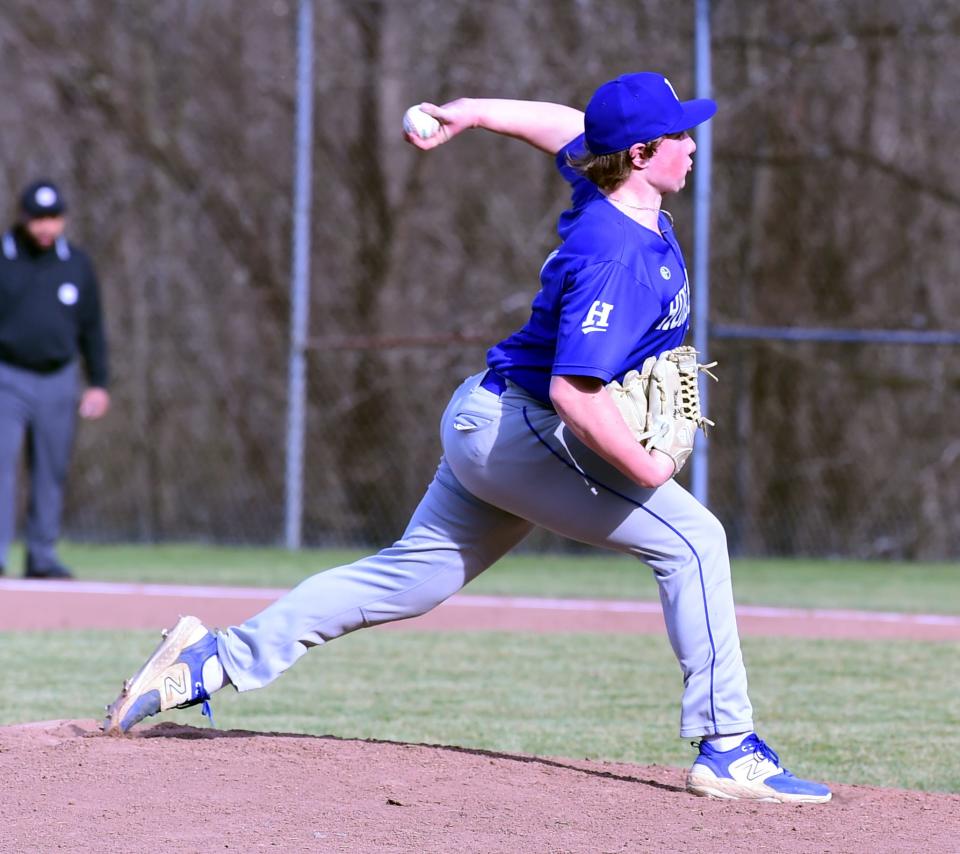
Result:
[690,370]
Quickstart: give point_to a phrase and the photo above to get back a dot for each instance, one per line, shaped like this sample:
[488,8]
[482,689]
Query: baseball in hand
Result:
[417,122]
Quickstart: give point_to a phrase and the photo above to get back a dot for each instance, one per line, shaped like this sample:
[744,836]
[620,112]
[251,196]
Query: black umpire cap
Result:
[40,199]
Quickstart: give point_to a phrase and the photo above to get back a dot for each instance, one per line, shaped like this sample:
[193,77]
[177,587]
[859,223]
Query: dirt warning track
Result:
[27,604]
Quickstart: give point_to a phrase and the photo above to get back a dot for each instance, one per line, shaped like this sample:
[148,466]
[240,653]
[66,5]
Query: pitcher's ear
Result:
[639,155]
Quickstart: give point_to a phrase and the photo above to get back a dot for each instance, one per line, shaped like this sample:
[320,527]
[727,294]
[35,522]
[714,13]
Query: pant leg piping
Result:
[629,500]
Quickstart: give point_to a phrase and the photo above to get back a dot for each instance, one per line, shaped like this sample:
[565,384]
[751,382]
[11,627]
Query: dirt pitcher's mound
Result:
[177,788]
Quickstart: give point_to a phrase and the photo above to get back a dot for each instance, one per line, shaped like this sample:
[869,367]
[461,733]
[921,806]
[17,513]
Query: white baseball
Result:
[416,121]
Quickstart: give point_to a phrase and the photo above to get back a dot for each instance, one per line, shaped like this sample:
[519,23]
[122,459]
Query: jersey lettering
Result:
[598,318]
[679,310]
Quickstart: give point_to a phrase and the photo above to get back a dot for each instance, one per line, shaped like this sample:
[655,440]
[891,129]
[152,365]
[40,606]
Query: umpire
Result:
[49,313]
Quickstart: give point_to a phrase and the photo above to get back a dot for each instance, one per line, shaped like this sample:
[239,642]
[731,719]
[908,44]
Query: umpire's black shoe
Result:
[53,570]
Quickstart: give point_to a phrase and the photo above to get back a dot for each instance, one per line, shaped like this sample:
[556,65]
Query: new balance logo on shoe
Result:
[754,768]
[175,685]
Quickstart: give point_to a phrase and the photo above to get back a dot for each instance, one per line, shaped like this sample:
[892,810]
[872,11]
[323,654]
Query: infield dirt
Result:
[183,789]
[173,788]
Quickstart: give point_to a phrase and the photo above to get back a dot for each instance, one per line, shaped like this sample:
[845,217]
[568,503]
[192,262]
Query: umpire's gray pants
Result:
[509,463]
[41,408]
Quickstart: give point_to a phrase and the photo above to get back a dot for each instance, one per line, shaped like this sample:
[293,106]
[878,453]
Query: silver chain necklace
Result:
[666,213]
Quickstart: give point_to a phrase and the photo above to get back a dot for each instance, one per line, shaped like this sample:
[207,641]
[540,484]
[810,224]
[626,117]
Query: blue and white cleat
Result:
[751,771]
[171,678]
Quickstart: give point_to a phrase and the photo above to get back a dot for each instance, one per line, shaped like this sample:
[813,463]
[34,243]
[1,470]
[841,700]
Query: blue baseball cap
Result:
[639,108]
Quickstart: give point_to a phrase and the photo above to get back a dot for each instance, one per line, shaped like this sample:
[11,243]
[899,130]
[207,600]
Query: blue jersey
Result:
[611,295]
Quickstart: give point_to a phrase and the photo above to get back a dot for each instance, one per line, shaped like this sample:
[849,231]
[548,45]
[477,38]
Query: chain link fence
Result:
[170,125]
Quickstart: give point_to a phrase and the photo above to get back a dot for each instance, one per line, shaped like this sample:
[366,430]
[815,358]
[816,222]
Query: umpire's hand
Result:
[94,403]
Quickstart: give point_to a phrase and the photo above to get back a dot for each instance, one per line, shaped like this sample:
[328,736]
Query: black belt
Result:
[36,367]
[493,382]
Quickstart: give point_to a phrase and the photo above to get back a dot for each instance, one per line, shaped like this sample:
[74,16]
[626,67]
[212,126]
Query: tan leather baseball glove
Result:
[661,402]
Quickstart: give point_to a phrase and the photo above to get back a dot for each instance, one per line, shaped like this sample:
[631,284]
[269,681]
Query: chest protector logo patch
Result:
[67,293]
[598,318]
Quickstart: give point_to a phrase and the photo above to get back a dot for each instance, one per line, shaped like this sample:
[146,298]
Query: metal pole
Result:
[700,464]
[300,279]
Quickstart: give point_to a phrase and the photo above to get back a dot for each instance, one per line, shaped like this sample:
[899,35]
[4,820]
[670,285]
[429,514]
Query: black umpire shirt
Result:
[50,307]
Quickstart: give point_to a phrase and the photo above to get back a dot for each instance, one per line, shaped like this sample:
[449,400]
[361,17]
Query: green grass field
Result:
[871,712]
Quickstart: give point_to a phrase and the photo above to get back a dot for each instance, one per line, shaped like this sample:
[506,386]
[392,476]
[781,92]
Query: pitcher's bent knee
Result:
[700,547]
[710,535]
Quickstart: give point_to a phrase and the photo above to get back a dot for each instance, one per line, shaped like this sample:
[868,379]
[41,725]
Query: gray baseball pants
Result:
[509,464]
[41,409]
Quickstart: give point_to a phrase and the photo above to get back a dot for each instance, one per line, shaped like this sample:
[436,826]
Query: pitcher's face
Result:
[667,170]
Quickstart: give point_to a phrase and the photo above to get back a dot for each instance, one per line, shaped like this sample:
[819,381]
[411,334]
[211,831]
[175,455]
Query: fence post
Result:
[300,280]
[700,468]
